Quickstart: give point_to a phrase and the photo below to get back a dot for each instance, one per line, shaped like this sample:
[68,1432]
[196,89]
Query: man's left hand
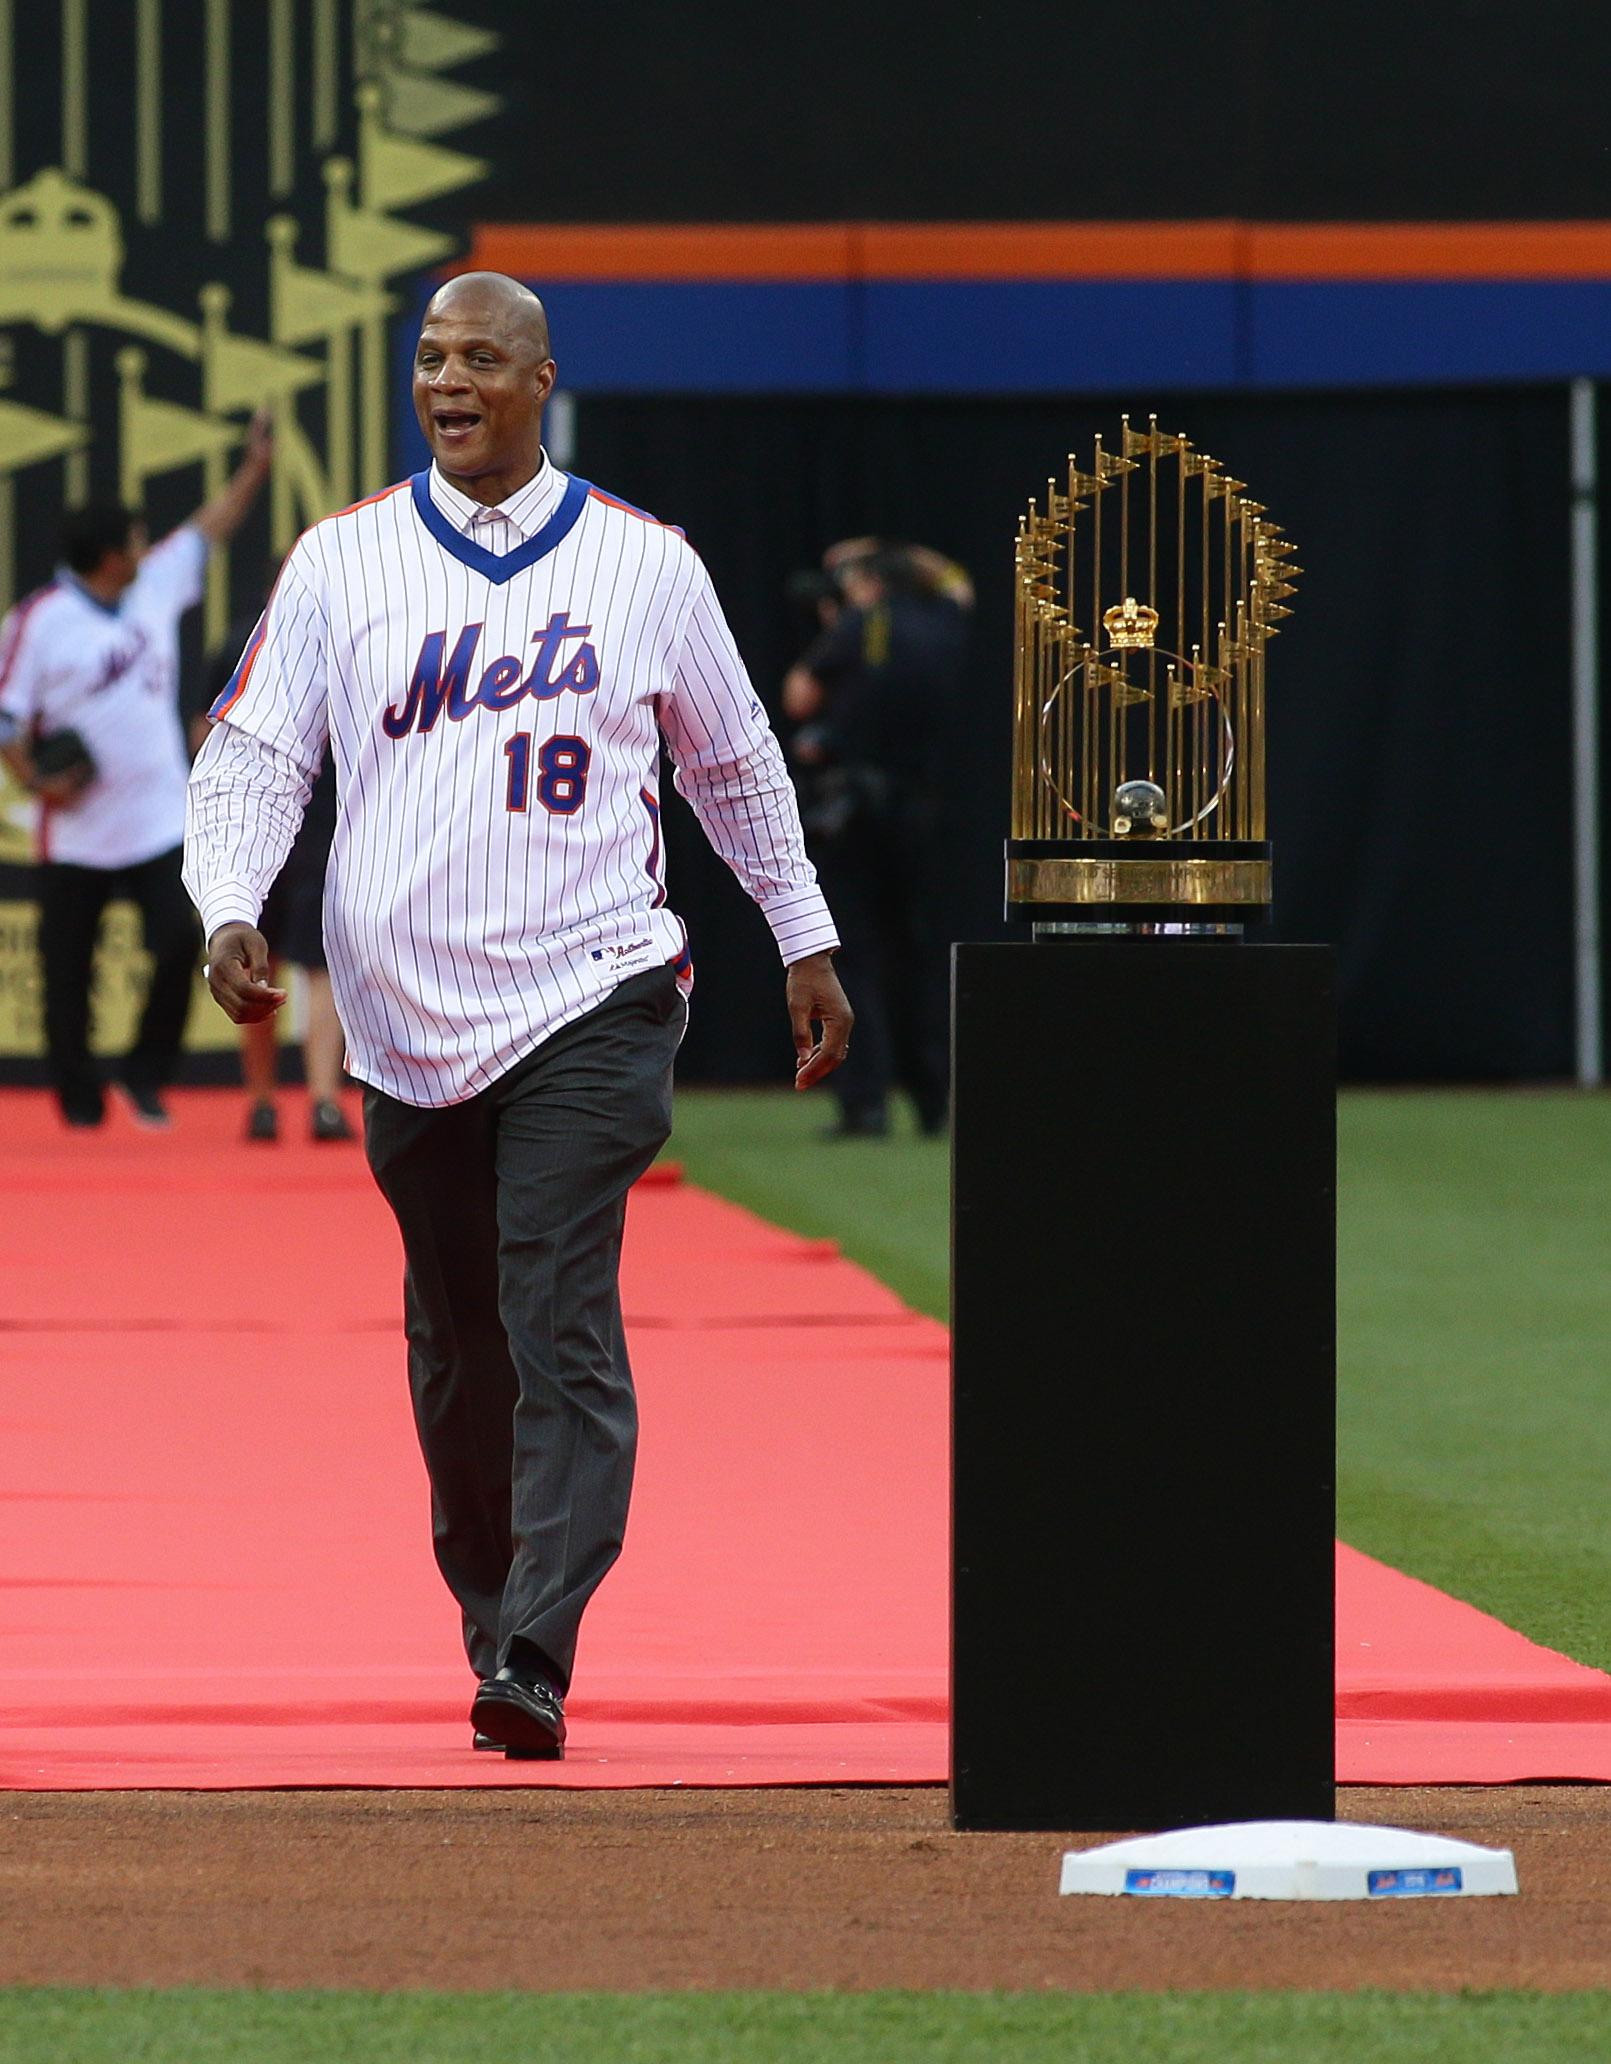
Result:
[815,998]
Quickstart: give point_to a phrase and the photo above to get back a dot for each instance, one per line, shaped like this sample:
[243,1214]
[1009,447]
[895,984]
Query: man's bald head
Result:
[482,372]
[493,298]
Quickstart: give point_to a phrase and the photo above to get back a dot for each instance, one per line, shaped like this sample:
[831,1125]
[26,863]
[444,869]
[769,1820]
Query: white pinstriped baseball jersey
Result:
[493,685]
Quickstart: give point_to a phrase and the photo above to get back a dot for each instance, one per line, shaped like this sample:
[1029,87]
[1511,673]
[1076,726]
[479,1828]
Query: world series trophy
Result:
[1143,1199]
[1147,591]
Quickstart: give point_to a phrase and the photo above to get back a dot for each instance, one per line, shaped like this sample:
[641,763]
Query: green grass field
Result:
[802,2028]
[1474,1317]
[1475,1347]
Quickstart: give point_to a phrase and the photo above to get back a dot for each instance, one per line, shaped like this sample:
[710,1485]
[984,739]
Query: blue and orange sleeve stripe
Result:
[235,687]
[615,502]
[352,508]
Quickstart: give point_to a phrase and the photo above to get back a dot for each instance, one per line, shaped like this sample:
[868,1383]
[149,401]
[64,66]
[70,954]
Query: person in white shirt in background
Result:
[494,651]
[90,724]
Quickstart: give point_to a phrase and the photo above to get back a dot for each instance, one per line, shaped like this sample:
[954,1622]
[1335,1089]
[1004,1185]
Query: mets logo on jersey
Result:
[563,659]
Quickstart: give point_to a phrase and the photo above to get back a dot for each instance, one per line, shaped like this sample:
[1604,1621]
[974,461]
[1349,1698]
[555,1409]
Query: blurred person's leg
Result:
[324,1050]
[260,1071]
[71,903]
[260,1045]
[919,985]
[171,937]
[850,870]
[324,1044]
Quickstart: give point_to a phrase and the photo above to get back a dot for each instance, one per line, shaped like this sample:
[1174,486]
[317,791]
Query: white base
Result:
[1290,1859]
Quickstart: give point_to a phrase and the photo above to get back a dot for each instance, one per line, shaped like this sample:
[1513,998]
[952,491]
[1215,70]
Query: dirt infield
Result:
[794,1889]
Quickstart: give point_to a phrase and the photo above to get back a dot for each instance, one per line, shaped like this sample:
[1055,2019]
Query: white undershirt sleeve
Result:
[252,778]
[242,812]
[730,768]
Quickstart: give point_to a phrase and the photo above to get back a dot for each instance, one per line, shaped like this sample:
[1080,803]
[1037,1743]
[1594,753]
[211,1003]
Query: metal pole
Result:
[559,427]
[1586,732]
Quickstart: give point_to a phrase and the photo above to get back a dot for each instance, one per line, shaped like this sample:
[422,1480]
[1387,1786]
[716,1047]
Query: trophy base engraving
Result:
[1179,881]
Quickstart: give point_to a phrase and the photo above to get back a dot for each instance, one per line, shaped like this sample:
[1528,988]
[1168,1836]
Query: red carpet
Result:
[1430,1691]
[215,1569]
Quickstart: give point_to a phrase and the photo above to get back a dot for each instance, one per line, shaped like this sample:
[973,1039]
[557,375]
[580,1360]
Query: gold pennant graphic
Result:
[28,435]
[308,306]
[159,437]
[431,42]
[156,436]
[399,171]
[418,104]
[369,245]
[66,273]
[242,372]
[63,254]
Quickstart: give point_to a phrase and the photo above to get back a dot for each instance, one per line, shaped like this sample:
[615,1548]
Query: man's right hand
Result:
[237,974]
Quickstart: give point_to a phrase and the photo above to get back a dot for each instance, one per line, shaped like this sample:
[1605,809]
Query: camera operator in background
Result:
[292,921]
[876,698]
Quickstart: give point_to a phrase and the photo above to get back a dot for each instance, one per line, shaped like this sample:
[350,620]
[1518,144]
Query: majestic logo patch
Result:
[563,660]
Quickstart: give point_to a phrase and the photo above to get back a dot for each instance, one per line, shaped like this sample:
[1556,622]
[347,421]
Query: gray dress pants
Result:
[511,1207]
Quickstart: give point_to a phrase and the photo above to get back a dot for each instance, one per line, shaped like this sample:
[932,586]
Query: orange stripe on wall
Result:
[855,250]
[1430,250]
[1048,250]
[665,251]
[829,251]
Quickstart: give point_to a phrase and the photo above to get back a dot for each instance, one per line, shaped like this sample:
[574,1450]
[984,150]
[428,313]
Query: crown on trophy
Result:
[1131,625]
[1138,761]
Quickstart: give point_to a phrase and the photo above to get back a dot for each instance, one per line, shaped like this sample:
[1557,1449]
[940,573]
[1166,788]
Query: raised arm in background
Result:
[221,516]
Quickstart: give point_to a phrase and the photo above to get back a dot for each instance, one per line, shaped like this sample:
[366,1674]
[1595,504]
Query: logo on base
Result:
[1180,1884]
[1412,1884]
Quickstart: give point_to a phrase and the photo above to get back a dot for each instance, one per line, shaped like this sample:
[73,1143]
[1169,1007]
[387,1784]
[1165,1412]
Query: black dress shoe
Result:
[523,1715]
[485,1741]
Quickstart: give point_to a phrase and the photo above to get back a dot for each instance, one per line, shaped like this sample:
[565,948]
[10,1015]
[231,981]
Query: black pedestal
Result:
[1143,1312]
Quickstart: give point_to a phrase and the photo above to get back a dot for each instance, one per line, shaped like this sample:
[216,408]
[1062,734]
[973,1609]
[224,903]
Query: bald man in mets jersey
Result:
[493,651]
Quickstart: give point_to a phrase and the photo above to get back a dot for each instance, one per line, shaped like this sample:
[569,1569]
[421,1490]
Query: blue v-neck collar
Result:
[503,566]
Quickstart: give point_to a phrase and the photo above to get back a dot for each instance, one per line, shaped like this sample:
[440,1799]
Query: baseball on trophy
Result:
[1140,810]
